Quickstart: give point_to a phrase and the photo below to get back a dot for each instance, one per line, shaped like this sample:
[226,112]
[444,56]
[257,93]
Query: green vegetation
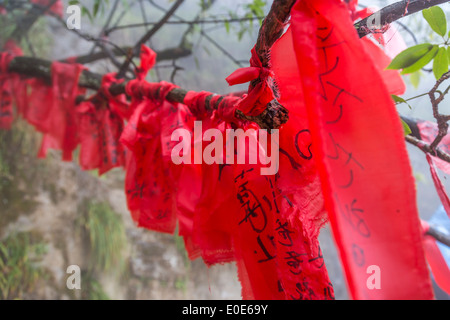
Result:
[19,269]
[92,289]
[414,58]
[106,245]
[107,238]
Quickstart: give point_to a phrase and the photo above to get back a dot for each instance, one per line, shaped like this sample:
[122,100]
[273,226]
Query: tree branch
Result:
[272,28]
[440,118]
[146,37]
[167,54]
[392,13]
[439,236]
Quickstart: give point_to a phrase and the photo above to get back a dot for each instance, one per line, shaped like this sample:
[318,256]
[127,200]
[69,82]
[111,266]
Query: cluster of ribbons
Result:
[334,161]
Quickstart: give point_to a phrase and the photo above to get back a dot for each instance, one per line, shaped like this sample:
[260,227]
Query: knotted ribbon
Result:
[259,93]
[100,127]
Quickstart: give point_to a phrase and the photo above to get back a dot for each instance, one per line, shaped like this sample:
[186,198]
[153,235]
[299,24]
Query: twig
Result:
[108,21]
[187,22]
[272,118]
[426,148]
[32,16]
[441,119]
[146,37]
[167,54]
[439,236]
[392,13]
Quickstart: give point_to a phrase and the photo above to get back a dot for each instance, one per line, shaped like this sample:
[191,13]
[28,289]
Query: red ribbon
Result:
[11,86]
[259,95]
[439,186]
[366,178]
[6,109]
[148,60]
[428,132]
[63,127]
[436,261]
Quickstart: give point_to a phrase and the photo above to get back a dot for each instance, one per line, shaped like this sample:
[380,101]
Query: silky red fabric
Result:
[438,185]
[436,261]
[366,178]
[12,87]
[259,94]
[6,108]
[40,104]
[101,123]
[62,130]
[428,131]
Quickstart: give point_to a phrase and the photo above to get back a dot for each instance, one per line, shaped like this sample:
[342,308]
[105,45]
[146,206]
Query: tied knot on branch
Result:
[273,117]
[259,104]
[260,92]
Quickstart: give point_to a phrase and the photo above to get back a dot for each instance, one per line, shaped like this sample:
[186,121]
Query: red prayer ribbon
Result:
[436,261]
[366,179]
[439,186]
[259,95]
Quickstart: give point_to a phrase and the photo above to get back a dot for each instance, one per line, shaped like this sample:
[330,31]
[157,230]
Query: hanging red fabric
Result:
[439,186]
[40,104]
[149,186]
[366,178]
[62,128]
[428,131]
[436,261]
[100,126]
[259,94]
[12,87]
[6,107]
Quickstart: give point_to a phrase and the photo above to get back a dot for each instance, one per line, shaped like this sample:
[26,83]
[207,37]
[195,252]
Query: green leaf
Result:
[406,128]
[435,17]
[85,11]
[227,26]
[422,62]
[96,7]
[410,56]
[415,79]
[399,100]
[440,64]
[448,54]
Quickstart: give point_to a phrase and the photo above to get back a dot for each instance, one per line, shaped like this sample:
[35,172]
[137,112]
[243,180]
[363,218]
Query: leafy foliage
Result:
[19,269]
[417,57]
[92,289]
[106,234]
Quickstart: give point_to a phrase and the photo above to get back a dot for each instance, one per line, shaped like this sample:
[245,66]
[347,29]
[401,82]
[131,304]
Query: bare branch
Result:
[441,119]
[146,37]
[394,12]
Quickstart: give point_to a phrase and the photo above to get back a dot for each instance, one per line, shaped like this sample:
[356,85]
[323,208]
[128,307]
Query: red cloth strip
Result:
[436,261]
[366,178]
[260,94]
[439,186]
